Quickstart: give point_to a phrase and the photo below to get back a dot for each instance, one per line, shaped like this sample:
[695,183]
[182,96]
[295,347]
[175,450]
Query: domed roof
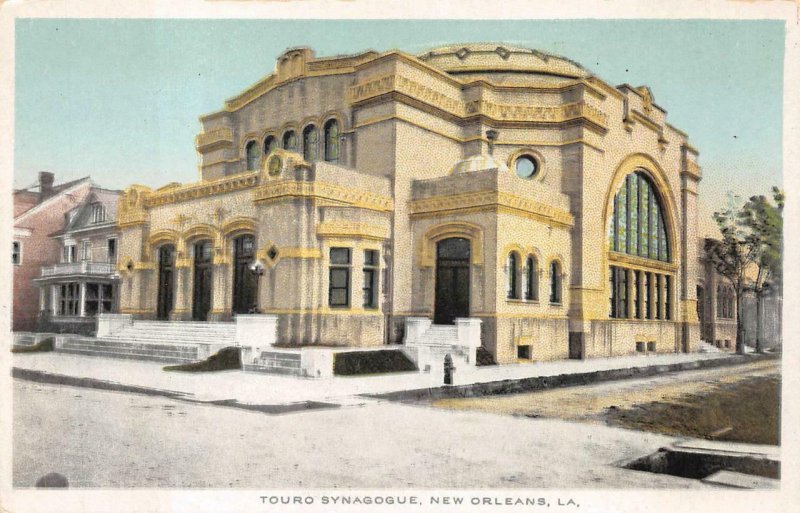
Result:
[494,57]
[477,163]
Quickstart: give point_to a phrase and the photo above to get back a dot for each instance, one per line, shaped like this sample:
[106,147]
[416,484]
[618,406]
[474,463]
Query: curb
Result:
[516,386]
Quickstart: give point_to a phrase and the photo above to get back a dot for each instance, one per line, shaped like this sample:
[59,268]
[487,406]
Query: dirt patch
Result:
[651,403]
[746,411]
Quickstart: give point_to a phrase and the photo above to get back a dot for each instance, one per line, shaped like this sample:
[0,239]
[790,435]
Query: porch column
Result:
[43,298]
[54,299]
[82,304]
[182,311]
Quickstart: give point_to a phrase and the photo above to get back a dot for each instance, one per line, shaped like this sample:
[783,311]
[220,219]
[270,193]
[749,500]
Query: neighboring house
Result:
[36,214]
[717,310]
[83,282]
[356,197]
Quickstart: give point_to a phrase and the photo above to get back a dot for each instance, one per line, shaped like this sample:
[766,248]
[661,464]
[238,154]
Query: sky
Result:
[119,99]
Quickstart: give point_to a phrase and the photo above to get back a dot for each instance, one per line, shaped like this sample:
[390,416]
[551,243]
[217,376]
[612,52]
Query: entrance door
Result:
[452,280]
[166,281]
[245,281]
[203,273]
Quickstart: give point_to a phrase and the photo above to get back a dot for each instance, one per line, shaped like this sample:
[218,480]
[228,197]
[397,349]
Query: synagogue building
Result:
[479,184]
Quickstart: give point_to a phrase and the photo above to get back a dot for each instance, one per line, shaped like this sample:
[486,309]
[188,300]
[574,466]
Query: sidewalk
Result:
[266,389]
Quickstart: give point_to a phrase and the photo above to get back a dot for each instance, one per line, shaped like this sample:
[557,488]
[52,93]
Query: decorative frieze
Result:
[323,191]
[455,106]
[352,229]
[504,201]
[203,189]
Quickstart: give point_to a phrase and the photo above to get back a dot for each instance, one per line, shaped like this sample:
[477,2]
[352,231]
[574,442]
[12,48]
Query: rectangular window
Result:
[651,346]
[339,278]
[648,288]
[86,250]
[68,299]
[112,250]
[70,253]
[524,352]
[637,294]
[619,292]
[98,213]
[99,298]
[371,278]
[667,298]
[657,279]
[16,253]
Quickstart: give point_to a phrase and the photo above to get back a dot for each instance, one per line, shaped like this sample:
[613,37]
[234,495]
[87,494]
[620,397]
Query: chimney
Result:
[46,180]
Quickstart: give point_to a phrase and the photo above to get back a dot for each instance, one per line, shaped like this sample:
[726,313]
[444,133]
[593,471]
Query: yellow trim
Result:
[426,251]
[324,311]
[220,137]
[204,189]
[183,263]
[275,191]
[238,225]
[160,237]
[641,263]
[508,315]
[503,257]
[201,231]
[352,229]
[135,311]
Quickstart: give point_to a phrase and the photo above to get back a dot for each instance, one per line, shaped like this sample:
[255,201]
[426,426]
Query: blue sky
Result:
[119,99]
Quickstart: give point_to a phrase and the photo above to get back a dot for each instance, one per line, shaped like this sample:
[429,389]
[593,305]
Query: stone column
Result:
[182,309]
[221,291]
[82,304]
[54,299]
[631,313]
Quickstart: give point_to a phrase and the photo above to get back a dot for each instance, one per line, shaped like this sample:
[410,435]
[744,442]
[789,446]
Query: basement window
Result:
[524,352]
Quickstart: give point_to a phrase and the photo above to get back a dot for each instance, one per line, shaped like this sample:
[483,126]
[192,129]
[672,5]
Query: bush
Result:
[484,357]
[371,362]
[42,346]
[225,359]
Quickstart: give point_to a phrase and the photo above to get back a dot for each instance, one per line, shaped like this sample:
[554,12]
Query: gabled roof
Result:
[60,191]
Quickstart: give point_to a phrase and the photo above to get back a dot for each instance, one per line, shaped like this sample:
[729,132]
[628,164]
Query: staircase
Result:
[276,362]
[166,342]
[705,347]
[443,339]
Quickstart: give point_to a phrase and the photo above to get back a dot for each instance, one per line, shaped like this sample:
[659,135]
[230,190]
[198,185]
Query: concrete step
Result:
[176,338]
[141,351]
[125,356]
[284,371]
[124,344]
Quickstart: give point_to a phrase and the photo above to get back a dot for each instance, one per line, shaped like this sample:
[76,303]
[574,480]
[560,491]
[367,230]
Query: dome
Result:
[477,163]
[500,58]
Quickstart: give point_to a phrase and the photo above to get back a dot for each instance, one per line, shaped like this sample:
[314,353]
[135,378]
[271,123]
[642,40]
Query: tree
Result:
[752,240]
[765,223]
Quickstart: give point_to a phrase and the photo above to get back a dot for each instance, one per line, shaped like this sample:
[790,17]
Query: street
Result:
[112,439]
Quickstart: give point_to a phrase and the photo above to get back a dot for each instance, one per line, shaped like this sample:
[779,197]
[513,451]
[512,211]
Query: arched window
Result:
[253,154]
[270,144]
[512,270]
[555,282]
[310,137]
[531,279]
[332,141]
[638,227]
[290,141]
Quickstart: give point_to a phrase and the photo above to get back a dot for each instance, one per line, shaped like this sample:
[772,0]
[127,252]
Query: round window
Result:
[526,166]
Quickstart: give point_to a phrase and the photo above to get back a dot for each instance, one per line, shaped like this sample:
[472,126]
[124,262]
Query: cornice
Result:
[323,191]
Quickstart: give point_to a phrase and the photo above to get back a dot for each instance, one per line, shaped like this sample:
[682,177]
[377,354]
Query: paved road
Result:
[112,439]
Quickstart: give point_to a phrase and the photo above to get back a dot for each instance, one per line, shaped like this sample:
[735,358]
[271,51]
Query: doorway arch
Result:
[452,289]
[245,281]
[203,275]
[166,281]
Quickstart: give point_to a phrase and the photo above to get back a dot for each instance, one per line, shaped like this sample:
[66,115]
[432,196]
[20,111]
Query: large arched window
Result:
[310,136]
[555,282]
[512,271]
[332,140]
[531,279]
[290,141]
[638,224]
[253,154]
[638,227]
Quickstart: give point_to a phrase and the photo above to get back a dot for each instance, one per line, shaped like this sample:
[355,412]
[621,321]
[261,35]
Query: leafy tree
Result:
[765,222]
[752,239]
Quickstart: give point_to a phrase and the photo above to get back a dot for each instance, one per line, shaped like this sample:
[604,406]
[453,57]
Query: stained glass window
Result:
[310,137]
[290,141]
[253,155]
[332,141]
[638,226]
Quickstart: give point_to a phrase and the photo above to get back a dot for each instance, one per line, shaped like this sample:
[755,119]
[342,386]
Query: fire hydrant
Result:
[449,370]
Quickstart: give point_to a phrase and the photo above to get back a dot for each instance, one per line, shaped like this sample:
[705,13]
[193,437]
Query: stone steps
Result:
[276,362]
[165,353]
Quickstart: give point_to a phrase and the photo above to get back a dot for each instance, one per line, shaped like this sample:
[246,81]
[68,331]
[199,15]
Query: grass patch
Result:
[747,411]
[225,359]
[44,345]
[371,362]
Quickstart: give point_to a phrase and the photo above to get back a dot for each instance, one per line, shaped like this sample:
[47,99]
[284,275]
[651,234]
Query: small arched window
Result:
[332,141]
[310,139]
[512,269]
[290,141]
[253,154]
[270,144]
[555,282]
[531,279]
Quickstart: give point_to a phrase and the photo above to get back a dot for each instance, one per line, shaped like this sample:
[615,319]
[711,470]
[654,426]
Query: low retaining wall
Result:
[516,386]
